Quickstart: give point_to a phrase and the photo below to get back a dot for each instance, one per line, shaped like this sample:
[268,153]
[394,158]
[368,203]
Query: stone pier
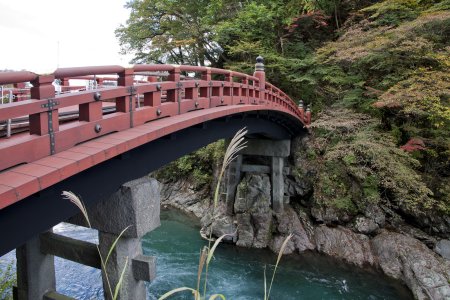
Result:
[277,151]
[135,206]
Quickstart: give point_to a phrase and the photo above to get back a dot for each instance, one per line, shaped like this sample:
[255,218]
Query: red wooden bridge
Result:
[82,140]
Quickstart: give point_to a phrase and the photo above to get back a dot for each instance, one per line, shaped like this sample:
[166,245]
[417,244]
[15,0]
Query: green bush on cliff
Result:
[392,62]
[366,167]
[197,166]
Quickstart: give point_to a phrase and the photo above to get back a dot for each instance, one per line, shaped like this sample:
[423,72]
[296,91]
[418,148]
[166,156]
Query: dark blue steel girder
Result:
[39,212]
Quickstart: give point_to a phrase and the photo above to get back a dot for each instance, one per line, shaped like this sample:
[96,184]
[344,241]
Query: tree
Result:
[172,31]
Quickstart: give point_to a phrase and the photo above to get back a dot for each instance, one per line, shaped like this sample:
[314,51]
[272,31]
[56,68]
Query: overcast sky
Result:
[32,31]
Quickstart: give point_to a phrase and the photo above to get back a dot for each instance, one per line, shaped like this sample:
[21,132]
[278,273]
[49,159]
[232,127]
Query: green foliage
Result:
[197,166]
[167,31]
[366,167]
[393,12]
[7,281]
[388,59]
[425,94]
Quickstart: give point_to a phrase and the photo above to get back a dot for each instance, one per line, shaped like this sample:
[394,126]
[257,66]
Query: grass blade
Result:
[114,244]
[177,290]
[280,254]
[201,264]
[216,243]
[117,289]
[265,284]
[77,201]
[217,295]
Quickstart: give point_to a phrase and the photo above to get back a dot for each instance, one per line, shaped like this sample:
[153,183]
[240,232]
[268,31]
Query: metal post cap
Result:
[259,66]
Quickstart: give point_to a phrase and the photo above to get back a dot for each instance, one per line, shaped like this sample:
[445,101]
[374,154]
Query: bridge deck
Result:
[24,180]
[53,149]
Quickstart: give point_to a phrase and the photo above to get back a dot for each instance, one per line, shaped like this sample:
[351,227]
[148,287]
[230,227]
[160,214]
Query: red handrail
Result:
[135,103]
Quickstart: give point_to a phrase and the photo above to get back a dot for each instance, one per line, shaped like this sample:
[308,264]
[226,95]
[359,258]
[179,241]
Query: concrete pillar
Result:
[126,249]
[277,151]
[277,184]
[233,176]
[135,204]
[35,271]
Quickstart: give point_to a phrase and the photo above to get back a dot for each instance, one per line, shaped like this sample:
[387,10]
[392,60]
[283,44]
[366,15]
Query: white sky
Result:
[31,30]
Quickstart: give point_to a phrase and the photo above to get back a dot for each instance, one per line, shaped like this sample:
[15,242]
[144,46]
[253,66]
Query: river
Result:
[235,272]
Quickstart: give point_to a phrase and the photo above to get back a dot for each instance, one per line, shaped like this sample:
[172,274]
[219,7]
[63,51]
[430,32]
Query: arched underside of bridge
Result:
[40,211]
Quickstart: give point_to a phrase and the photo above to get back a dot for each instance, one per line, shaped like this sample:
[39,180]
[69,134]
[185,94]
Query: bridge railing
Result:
[135,102]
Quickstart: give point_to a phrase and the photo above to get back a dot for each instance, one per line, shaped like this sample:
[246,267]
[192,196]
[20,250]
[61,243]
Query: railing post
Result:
[244,91]
[125,104]
[205,92]
[44,122]
[228,90]
[301,109]
[308,115]
[261,75]
[174,95]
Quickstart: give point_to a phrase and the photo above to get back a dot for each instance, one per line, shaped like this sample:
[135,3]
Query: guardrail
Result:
[136,102]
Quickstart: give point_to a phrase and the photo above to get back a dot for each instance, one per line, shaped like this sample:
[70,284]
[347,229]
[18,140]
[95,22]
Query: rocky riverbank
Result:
[397,252]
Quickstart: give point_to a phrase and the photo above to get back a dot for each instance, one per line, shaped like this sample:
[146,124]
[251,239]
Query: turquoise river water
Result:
[235,272]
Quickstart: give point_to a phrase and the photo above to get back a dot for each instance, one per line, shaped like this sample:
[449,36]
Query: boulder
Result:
[375,214]
[252,189]
[276,243]
[245,230]
[293,188]
[253,212]
[405,258]
[341,242]
[365,225]
[329,215]
[443,248]
[181,195]
[289,222]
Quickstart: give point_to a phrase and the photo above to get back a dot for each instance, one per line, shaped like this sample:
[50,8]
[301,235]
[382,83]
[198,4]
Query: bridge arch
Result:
[96,153]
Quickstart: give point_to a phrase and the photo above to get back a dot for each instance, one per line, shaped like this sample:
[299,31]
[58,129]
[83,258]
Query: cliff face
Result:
[353,195]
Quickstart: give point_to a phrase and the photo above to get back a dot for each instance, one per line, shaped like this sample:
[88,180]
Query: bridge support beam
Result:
[277,184]
[135,206]
[277,151]
[35,272]
[233,177]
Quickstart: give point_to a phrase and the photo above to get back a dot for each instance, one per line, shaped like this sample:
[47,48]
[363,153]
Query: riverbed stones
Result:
[405,258]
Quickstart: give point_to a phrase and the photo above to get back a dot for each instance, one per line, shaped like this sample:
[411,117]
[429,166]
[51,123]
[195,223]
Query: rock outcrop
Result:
[341,242]
[252,211]
[407,259]
[181,195]
[289,222]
